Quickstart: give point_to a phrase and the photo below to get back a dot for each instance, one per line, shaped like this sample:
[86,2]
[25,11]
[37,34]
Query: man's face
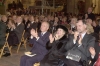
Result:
[73,21]
[89,10]
[44,27]
[19,20]
[89,21]
[4,18]
[31,18]
[14,17]
[80,26]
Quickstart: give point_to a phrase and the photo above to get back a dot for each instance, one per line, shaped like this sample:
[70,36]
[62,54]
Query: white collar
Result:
[18,24]
[83,34]
[43,33]
[32,22]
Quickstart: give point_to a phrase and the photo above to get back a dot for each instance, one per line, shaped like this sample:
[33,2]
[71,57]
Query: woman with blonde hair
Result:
[90,29]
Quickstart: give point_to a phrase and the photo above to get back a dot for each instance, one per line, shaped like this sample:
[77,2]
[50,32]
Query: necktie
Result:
[41,34]
[78,37]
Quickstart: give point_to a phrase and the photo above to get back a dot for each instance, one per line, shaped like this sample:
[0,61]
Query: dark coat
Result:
[2,32]
[57,49]
[12,38]
[39,48]
[19,31]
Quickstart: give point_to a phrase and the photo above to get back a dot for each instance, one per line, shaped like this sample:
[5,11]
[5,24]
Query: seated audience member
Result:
[57,43]
[12,38]
[90,29]
[55,23]
[3,30]
[19,28]
[90,14]
[31,25]
[39,48]
[95,28]
[78,45]
[73,25]
[25,21]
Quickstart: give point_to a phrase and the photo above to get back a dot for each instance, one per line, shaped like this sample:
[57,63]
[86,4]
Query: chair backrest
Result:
[7,36]
[22,38]
[23,33]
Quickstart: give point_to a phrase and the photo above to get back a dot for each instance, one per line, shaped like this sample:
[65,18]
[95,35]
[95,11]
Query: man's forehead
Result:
[80,22]
[44,23]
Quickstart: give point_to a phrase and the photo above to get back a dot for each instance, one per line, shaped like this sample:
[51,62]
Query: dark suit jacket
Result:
[87,42]
[39,46]
[32,25]
[19,31]
[2,29]
[2,32]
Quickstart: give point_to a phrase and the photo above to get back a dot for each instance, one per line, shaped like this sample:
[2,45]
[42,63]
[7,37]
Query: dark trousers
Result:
[30,61]
[12,39]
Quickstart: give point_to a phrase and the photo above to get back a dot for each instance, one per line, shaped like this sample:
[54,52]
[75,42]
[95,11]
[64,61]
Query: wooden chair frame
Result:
[22,40]
[5,45]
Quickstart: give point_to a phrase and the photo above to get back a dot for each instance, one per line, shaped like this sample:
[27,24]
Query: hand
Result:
[80,40]
[70,31]
[13,26]
[75,35]
[28,25]
[51,38]
[56,37]
[92,51]
[34,33]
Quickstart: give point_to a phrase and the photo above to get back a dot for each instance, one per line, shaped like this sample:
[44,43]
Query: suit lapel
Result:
[43,35]
[85,38]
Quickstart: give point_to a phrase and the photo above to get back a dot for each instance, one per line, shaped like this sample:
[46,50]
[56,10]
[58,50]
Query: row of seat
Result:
[6,45]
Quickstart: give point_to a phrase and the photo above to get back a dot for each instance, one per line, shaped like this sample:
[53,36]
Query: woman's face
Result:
[10,23]
[60,32]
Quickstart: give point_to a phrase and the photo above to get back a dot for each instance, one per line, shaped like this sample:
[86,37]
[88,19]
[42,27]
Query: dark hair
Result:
[83,21]
[62,27]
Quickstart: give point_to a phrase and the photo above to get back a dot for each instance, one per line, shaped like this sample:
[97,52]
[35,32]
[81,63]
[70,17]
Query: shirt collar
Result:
[83,34]
[18,24]
[43,33]
[32,22]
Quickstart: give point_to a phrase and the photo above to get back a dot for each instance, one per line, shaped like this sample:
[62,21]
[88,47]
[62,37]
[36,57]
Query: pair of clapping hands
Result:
[52,38]
[91,49]
[34,33]
[76,35]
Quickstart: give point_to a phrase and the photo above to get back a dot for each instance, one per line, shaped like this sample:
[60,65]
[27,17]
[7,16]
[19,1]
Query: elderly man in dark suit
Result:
[79,43]
[2,30]
[39,49]
[19,28]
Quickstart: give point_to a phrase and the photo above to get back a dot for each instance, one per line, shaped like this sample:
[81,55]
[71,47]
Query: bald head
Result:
[44,27]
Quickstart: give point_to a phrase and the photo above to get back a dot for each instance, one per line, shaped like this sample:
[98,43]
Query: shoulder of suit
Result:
[90,36]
